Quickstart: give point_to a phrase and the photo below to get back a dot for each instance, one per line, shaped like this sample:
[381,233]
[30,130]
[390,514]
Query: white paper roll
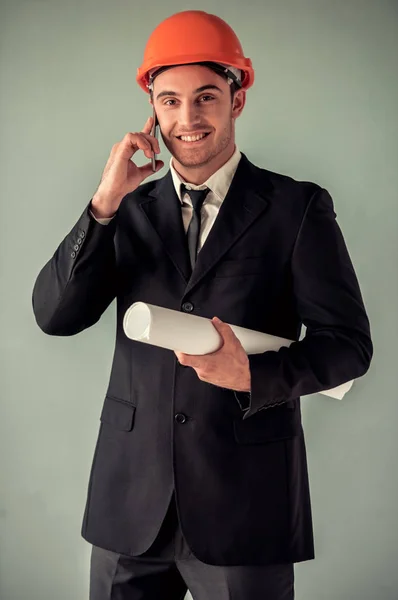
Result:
[190,334]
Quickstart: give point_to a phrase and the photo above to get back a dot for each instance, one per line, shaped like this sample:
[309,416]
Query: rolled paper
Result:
[191,334]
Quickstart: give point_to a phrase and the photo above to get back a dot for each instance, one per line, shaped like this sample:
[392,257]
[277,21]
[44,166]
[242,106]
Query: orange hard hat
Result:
[192,37]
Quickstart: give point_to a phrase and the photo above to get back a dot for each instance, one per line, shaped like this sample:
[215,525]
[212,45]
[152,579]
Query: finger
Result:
[184,358]
[132,142]
[144,145]
[148,125]
[144,141]
[193,361]
[153,141]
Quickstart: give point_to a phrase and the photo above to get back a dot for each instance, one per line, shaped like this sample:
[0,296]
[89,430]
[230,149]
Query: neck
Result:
[200,174]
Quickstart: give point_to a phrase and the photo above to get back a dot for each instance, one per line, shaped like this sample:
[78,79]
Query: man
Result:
[199,477]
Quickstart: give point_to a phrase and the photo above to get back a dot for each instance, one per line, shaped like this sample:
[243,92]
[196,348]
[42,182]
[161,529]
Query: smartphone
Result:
[154,133]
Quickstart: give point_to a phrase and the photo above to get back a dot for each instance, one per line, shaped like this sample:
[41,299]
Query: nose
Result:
[188,116]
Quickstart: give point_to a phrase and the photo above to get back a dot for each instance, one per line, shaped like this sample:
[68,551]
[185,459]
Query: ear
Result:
[238,103]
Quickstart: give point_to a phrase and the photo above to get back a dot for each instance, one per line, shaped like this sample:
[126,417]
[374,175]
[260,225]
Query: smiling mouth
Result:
[193,139]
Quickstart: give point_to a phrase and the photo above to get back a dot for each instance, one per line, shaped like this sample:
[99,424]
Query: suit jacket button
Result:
[180,418]
[73,254]
[187,307]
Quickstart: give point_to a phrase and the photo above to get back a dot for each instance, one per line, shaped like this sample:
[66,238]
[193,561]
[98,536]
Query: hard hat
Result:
[195,37]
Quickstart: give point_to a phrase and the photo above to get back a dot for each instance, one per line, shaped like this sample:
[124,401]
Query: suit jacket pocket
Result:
[268,425]
[118,413]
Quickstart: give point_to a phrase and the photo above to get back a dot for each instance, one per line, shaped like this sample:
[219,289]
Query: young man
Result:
[199,478]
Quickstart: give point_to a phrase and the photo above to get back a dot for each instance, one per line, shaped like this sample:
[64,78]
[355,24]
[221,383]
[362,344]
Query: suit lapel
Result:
[163,209]
[245,201]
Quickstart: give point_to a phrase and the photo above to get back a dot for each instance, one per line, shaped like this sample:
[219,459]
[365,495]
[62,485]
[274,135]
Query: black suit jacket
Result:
[275,258]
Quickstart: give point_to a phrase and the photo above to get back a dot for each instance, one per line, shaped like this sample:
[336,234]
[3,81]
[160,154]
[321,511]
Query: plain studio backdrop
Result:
[323,108]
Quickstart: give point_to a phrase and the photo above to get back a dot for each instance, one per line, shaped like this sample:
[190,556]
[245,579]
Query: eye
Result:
[172,100]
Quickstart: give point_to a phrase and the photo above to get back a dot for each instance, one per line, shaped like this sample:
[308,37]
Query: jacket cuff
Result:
[243,399]
[266,391]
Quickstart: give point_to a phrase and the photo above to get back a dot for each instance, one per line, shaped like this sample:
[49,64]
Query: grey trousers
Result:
[168,569]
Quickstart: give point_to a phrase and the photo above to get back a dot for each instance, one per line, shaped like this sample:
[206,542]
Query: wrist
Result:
[100,208]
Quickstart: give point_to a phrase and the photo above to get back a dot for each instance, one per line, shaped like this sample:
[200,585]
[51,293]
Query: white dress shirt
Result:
[218,184]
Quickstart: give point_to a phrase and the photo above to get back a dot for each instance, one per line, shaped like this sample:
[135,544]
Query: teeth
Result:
[192,138]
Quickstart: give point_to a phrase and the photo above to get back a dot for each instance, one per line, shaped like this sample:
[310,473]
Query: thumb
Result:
[223,329]
[216,321]
[219,325]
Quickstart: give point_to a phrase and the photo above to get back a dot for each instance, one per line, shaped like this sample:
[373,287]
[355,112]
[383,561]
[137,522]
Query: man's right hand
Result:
[121,176]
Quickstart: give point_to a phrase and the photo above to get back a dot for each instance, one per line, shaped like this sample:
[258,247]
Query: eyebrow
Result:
[197,91]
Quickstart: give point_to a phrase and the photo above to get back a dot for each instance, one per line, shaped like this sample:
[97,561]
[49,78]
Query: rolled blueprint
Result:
[190,334]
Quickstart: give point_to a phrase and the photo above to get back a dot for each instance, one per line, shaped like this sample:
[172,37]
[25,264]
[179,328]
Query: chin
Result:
[193,161]
[193,158]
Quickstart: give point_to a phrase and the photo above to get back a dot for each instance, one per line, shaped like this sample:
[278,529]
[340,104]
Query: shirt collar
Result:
[218,182]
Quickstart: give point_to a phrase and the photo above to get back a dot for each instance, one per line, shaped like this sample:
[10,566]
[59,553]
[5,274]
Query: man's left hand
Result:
[228,367]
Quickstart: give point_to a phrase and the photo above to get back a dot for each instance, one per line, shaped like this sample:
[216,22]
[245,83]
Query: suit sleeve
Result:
[78,283]
[337,346]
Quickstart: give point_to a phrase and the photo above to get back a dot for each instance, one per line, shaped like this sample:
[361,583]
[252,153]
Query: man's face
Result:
[183,107]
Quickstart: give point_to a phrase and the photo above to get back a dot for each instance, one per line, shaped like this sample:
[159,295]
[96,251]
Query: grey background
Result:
[323,108]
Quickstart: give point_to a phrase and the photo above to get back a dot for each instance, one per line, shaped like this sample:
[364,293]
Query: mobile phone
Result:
[154,133]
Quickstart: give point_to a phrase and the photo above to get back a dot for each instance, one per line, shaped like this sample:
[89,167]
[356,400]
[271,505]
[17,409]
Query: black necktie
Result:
[197,199]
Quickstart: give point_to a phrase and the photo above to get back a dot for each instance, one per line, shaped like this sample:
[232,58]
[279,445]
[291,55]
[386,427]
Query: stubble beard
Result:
[195,159]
